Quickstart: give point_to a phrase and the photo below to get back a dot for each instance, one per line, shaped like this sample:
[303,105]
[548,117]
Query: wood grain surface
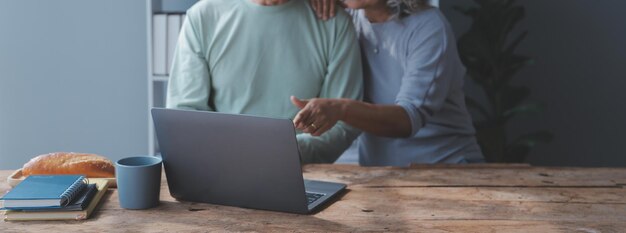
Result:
[457,198]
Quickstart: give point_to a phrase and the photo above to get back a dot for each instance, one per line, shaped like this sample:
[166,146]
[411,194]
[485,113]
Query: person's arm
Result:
[344,79]
[189,80]
[424,89]
[381,120]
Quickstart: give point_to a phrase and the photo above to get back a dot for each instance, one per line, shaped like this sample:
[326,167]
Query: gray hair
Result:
[403,8]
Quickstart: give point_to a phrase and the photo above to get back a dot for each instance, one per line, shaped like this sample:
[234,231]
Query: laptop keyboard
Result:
[312,197]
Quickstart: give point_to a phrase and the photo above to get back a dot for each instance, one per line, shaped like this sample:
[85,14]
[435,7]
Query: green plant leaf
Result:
[532,139]
[511,17]
[517,151]
[510,49]
[471,103]
[509,66]
[512,96]
[523,109]
[475,55]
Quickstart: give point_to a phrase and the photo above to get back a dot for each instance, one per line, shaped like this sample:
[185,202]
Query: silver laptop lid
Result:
[227,159]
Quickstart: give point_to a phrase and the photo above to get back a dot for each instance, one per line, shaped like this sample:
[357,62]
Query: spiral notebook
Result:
[62,214]
[80,202]
[44,191]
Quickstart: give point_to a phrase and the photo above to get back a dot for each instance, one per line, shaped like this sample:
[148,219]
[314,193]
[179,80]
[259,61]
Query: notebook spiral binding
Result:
[73,190]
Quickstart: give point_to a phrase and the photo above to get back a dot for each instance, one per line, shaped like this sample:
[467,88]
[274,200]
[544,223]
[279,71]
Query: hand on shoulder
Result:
[325,9]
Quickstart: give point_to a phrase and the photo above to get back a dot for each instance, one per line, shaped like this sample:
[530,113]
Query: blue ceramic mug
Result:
[138,181]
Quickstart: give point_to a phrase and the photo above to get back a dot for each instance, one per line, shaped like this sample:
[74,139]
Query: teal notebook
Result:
[80,202]
[44,191]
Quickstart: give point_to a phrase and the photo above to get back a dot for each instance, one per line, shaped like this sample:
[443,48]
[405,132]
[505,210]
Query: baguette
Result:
[91,165]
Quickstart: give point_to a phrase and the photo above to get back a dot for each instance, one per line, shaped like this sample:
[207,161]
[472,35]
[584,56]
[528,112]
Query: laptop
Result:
[236,160]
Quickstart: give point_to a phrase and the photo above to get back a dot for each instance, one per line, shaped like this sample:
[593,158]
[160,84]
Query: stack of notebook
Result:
[53,197]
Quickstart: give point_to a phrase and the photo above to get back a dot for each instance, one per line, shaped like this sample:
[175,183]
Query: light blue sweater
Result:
[235,56]
[413,62]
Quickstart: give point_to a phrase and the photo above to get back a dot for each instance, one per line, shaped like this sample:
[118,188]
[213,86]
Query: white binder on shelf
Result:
[173,29]
[159,44]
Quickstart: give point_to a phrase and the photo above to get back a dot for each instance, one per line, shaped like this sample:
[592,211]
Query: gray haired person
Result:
[414,107]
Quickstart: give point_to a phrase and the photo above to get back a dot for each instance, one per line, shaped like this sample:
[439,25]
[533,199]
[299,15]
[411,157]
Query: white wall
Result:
[72,78]
[579,75]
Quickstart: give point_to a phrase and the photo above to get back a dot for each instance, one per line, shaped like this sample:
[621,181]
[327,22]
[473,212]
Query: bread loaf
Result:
[91,165]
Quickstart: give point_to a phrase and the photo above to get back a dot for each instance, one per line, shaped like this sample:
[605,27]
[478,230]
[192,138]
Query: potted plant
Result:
[491,61]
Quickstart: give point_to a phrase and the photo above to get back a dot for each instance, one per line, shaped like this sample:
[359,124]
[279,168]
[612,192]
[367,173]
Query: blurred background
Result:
[80,75]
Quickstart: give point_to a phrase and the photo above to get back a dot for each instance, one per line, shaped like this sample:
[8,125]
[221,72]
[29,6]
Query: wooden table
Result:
[470,198]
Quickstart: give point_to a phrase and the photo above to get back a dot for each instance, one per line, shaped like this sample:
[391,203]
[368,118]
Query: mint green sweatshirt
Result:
[235,56]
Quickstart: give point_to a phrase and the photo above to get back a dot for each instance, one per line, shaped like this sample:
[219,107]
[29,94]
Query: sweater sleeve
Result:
[344,79]
[189,81]
[426,81]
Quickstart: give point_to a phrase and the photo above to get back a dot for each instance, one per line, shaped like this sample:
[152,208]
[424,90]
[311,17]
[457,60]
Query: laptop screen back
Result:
[228,159]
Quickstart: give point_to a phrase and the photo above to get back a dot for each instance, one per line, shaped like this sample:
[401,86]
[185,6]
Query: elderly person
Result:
[414,109]
[249,56]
